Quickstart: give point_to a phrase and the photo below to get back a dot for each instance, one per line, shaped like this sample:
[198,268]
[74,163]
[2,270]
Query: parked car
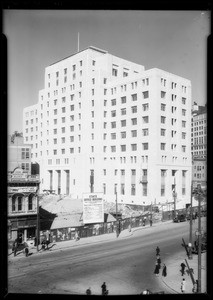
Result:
[179,218]
[194,216]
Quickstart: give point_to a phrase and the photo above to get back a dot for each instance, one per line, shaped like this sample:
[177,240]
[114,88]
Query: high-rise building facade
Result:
[102,117]
[199,144]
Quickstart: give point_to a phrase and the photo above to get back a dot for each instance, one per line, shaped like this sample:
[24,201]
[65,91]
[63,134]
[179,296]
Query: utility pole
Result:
[175,196]
[116,202]
[199,240]
[190,229]
[38,223]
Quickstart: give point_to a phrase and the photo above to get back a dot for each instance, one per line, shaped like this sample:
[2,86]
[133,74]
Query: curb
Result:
[127,234]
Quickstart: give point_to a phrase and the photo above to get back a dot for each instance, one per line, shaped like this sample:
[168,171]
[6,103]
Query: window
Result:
[183,123]
[145,106]
[145,146]
[123,134]
[71,150]
[123,99]
[163,107]
[55,111]
[183,112]
[183,148]
[145,131]
[145,94]
[19,203]
[25,153]
[123,111]
[123,123]
[114,72]
[163,146]
[123,148]
[72,107]
[134,97]
[93,62]
[63,119]
[113,113]
[113,136]
[113,124]
[163,120]
[145,119]
[163,95]
[134,121]
[132,189]
[163,132]
[134,147]
[63,140]
[113,148]
[183,100]
[113,102]
[134,109]
[63,109]
[73,67]
[183,135]
[134,133]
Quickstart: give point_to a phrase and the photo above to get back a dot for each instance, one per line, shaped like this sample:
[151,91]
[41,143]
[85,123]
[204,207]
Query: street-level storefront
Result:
[22,204]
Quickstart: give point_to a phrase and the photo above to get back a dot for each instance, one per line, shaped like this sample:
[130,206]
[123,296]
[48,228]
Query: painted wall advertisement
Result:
[93,208]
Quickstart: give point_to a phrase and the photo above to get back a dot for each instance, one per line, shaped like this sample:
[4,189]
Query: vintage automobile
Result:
[179,218]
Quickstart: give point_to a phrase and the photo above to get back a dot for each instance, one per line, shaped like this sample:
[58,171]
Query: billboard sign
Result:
[93,208]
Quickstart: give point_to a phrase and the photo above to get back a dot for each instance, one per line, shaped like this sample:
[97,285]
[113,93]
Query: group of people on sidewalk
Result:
[158,264]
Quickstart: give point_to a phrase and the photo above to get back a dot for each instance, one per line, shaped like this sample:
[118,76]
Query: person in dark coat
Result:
[88,291]
[164,271]
[157,250]
[156,271]
[159,261]
[182,268]
[103,287]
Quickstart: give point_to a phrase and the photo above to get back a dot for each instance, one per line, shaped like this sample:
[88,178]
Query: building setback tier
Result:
[106,124]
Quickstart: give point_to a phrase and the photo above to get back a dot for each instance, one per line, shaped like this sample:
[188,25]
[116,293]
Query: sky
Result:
[174,41]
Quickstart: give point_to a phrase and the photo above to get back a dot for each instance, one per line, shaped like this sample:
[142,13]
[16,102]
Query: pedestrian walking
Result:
[104,290]
[150,221]
[164,271]
[88,291]
[157,250]
[26,250]
[15,246]
[156,271]
[183,285]
[158,261]
[183,266]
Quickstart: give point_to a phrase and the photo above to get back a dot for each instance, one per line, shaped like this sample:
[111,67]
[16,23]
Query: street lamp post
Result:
[38,223]
[190,229]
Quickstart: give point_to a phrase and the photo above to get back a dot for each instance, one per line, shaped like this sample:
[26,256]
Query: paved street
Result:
[126,263]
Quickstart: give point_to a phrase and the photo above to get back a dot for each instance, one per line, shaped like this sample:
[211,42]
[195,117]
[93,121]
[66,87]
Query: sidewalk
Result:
[56,246]
[173,279]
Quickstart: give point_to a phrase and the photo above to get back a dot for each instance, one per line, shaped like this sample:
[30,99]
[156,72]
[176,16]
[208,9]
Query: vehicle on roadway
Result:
[179,218]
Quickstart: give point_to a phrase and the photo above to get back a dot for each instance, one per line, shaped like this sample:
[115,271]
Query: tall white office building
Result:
[104,116]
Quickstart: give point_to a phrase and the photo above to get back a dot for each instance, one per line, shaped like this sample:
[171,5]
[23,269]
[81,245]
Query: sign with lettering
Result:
[18,189]
[93,208]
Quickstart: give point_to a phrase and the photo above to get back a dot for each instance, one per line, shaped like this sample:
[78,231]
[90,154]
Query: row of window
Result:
[133,189]
[18,203]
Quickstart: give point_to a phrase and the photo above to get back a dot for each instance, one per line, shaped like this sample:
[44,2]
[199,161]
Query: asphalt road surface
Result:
[126,265]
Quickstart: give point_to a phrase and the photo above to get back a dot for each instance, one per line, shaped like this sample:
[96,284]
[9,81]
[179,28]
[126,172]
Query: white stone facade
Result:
[130,126]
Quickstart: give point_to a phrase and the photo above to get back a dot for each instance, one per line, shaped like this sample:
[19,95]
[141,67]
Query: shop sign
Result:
[93,208]
[28,189]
